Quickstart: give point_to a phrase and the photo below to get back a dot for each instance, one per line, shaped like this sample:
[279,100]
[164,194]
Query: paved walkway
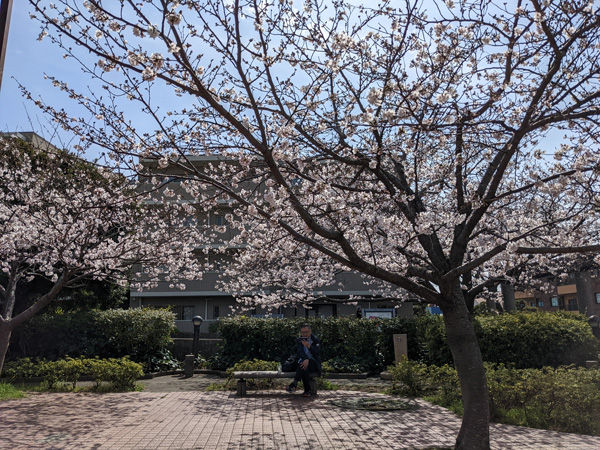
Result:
[185,420]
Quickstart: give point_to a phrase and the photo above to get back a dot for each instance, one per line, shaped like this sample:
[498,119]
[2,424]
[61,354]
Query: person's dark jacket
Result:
[315,351]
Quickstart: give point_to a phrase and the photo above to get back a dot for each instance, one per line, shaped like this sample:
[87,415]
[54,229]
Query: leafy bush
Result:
[255,365]
[120,373]
[360,345]
[24,368]
[566,398]
[67,370]
[363,345]
[161,360]
[414,379]
[535,340]
[409,378]
[142,333]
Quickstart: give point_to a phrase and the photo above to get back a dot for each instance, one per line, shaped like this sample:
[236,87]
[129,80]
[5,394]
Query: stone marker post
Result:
[188,366]
[400,346]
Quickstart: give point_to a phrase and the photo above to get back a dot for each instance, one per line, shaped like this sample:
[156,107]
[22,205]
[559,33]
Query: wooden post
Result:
[400,347]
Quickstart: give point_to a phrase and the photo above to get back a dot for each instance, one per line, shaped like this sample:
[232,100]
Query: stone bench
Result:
[242,376]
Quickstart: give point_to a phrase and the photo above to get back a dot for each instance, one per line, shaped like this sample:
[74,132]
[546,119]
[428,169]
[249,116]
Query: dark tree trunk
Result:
[8,323]
[474,431]
[5,332]
[491,305]
[585,293]
[508,294]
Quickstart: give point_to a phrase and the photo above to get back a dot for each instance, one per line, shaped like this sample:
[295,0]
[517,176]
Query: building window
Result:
[597,297]
[191,222]
[183,312]
[573,304]
[215,312]
[532,304]
[540,303]
[219,220]
[554,300]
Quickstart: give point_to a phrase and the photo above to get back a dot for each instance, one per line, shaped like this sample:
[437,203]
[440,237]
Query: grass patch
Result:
[455,406]
[217,387]
[9,392]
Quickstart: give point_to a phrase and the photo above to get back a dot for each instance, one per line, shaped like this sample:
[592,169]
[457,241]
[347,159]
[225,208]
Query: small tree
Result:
[63,219]
[431,151]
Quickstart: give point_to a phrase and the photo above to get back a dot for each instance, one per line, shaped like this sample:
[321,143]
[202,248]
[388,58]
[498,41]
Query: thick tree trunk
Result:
[491,305]
[474,432]
[508,295]
[8,323]
[5,332]
[585,293]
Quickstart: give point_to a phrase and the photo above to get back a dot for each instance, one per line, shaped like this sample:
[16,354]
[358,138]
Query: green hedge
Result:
[536,340]
[526,340]
[143,334]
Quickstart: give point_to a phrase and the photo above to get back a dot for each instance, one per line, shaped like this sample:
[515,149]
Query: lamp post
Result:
[594,322]
[197,321]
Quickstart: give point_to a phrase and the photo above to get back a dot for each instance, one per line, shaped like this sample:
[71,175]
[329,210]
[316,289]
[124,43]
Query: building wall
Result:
[202,297]
[211,308]
[564,297]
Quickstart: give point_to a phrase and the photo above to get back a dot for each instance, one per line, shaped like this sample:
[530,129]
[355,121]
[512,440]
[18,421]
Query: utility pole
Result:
[5,9]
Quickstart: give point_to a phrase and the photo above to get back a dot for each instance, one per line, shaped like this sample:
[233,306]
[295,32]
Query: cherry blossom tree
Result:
[437,148]
[64,220]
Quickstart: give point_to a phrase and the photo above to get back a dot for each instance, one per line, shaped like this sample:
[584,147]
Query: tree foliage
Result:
[63,220]
[436,148]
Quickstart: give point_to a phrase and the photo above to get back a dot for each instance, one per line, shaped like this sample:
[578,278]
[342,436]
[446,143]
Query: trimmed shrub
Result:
[121,373]
[348,344]
[360,345]
[24,368]
[249,338]
[255,365]
[67,370]
[537,339]
[142,333]
[526,340]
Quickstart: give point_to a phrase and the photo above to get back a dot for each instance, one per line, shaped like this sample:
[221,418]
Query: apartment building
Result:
[578,292]
[203,296]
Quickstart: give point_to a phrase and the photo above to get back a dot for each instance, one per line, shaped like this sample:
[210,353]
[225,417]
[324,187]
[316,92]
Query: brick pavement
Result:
[220,420]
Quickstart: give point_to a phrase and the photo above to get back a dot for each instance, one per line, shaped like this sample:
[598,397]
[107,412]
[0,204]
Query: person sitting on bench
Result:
[308,355]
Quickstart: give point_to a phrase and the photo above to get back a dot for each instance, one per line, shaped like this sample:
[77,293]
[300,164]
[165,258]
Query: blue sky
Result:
[27,59]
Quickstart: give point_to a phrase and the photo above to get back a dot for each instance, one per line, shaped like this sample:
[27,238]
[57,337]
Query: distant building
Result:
[34,139]
[579,292]
[202,297]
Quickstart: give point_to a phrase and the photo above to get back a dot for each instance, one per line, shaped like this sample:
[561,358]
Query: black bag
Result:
[290,364]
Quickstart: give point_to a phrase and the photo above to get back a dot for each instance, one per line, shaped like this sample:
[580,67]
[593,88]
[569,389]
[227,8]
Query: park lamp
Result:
[196,321]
